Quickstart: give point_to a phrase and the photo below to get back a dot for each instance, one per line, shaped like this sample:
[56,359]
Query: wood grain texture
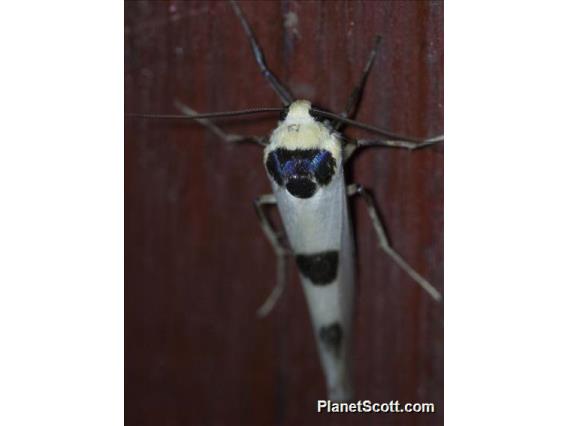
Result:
[197,265]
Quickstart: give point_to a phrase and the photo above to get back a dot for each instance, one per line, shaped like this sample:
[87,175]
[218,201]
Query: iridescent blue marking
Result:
[285,164]
[296,166]
[277,161]
[318,159]
[303,166]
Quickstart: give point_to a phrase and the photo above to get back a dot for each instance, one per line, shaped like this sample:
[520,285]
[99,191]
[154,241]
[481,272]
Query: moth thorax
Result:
[301,171]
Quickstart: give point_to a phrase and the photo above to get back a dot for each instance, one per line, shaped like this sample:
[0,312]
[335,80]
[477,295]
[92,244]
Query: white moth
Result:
[313,207]
[304,159]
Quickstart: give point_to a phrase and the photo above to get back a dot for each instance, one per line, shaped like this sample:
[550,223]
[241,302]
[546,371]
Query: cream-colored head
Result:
[299,113]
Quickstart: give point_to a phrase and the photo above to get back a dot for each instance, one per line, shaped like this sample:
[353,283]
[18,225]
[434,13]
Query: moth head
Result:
[298,112]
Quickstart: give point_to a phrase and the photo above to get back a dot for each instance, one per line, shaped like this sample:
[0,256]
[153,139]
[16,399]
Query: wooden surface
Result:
[197,264]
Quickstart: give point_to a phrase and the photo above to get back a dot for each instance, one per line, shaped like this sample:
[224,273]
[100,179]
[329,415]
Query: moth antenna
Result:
[368,127]
[206,115]
[282,92]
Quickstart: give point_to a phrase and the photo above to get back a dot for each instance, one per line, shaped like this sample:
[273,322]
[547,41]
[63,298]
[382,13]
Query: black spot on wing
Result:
[331,336]
[301,187]
[319,268]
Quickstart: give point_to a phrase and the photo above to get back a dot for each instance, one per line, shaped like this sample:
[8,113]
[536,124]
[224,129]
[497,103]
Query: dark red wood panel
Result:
[197,264]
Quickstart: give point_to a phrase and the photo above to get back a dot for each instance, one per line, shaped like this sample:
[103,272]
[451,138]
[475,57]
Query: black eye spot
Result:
[284,113]
[315,116]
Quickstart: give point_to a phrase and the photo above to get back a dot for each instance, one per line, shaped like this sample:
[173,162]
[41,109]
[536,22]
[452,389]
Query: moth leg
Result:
[227,137]
[348,150]
[282,92]
[351,146]
[356,189]
[355,98]
[279,249]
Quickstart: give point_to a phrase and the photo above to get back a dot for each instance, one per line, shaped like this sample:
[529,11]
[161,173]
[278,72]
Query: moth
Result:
[304,158]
